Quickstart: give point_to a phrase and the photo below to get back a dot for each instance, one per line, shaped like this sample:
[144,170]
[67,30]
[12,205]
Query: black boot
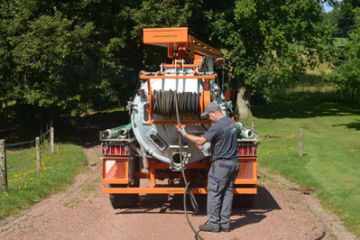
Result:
[208,228]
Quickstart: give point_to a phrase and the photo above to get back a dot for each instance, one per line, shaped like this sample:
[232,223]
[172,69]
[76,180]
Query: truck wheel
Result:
[123,200]
[126,200]
[244,201]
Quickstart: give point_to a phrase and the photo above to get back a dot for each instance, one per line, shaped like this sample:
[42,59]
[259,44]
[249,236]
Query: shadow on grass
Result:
[173,204]
[305,105]
[353,125]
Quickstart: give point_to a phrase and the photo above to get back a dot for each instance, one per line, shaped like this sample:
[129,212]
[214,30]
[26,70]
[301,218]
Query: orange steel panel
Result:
[245,181]
[201,101]
[197,59]
[166,37]
[207,98]
[178,37]
[170,190]
[148,77]
[197,165]
[115,181]
[118,172]
[248,171]
[152,174]
[245,190]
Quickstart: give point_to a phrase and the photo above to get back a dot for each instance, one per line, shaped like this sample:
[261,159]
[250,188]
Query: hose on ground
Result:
[187,102]
[187,184]
[194,204]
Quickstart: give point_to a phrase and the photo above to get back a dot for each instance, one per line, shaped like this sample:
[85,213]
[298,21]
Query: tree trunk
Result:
[6,110]
[243,104]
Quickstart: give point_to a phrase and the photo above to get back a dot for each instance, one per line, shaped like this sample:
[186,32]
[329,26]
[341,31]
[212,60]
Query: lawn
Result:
[331,164]
[27,186]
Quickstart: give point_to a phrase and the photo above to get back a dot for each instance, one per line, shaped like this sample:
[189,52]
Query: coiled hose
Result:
[165,102]
[187,184]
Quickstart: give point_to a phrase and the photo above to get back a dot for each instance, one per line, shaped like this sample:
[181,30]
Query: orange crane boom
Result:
[180,44]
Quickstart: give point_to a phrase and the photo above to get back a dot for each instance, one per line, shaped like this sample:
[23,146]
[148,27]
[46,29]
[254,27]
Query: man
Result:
[224,168]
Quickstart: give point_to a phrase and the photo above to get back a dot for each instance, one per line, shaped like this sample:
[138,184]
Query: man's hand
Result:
[181,129]
[195,139]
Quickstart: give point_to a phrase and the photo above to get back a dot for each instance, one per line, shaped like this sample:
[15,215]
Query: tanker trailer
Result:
[149,147]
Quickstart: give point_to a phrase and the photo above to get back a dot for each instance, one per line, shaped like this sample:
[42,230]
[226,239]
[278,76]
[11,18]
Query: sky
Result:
[327,8]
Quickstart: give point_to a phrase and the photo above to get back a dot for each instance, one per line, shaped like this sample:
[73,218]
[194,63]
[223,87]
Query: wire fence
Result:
[29,143]
[24,160]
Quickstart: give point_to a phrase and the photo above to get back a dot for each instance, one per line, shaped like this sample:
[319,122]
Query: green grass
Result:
[27,186]
[331,164]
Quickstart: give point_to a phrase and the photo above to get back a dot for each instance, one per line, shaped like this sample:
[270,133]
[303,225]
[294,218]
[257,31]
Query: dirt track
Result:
[282,211]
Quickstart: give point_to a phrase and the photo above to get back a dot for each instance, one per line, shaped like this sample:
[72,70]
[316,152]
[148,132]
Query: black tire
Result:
[244,201]
[123,200]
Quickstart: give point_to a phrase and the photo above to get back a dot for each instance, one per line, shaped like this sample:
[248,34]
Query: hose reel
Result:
[164,102]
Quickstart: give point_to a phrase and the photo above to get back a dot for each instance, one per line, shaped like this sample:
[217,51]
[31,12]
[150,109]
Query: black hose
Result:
[187,184]
[164,102]
[194,205]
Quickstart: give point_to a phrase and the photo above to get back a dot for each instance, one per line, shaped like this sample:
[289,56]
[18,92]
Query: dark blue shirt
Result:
[223,137]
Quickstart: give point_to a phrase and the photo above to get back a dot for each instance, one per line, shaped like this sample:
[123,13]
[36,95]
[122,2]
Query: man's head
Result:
[213,112]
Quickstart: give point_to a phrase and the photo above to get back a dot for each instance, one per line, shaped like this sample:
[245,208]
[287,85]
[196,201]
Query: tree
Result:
[69,55]
[75,55]
[269,43]
[345,17]
[78,54]
[347,73]
[5,56]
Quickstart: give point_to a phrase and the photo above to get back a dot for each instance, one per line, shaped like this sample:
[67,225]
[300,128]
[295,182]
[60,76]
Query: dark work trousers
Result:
[221,178]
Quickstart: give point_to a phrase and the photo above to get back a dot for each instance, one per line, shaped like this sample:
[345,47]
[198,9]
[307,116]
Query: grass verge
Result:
[27,186]
[332,148]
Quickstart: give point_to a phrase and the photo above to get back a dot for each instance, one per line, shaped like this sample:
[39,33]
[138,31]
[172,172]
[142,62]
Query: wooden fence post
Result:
[51,139]
[3,167]
[301,142]
[38,155]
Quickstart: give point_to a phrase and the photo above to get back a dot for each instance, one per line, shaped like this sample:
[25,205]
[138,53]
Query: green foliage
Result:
[75,55]
[346,17]
[160,13]
[342,18]
[69,55]
[81,54]
[27,187]
[5,56]
[270,43]
[347,72]
[48,57]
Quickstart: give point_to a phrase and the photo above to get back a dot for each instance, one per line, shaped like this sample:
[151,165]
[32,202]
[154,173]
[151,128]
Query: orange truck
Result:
[146,156]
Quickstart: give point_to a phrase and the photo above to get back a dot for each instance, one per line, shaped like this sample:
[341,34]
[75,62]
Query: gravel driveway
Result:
[282,211]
